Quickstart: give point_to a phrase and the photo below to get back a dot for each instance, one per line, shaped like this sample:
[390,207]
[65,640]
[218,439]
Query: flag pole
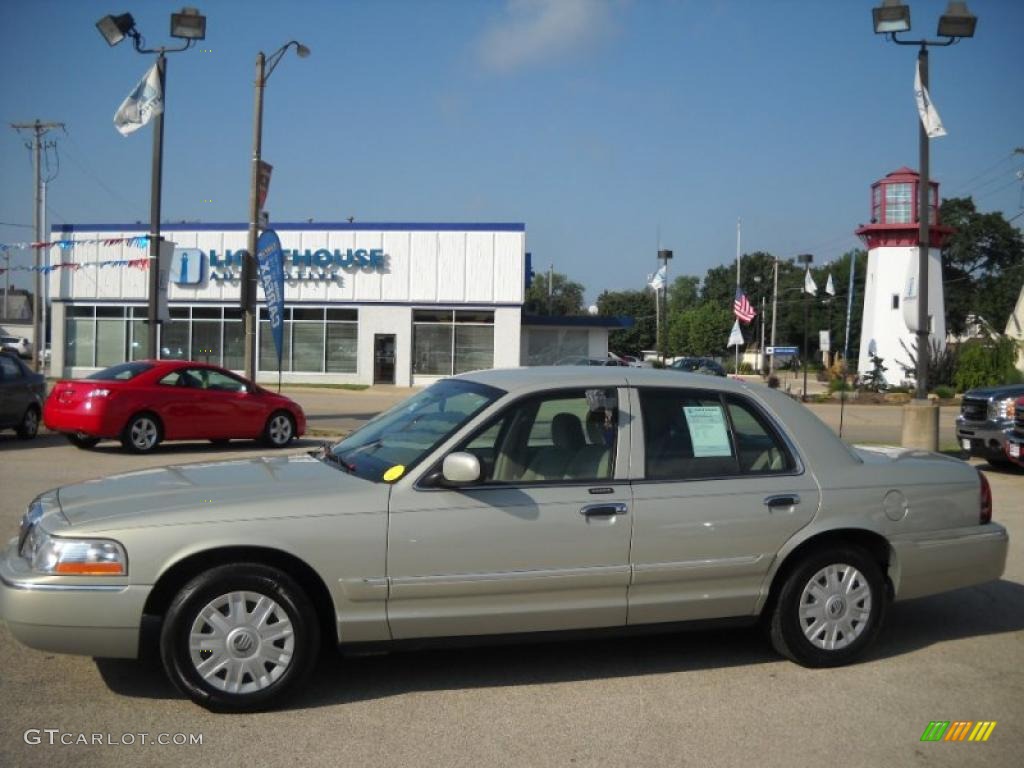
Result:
[736,364]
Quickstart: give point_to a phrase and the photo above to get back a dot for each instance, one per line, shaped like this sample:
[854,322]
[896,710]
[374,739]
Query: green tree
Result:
[566,296]
[638,305]
[982,264]
[702,331]
[684,293]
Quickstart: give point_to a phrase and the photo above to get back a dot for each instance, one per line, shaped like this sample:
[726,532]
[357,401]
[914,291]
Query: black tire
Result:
[279,429]
[790,633]
[142,433]
[1000,463]
[82,441]
[296,654]
[29,426]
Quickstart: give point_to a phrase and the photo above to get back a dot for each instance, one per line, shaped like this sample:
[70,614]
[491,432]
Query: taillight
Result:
[985,515]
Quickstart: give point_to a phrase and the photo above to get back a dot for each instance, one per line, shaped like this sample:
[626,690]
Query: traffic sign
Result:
[782,350]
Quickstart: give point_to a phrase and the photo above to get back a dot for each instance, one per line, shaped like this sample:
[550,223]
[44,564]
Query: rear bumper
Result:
[59,617]
[94,424]
[927,564]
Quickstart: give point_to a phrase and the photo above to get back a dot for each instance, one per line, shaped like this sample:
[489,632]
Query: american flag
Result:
[742,308]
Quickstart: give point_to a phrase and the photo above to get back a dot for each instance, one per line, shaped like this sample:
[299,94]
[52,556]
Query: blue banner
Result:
[271,264]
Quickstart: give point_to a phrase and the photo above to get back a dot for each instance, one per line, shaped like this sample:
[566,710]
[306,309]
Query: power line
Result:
[964,185]
[87,170]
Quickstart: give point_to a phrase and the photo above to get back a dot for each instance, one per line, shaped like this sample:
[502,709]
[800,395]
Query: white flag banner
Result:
[141,105]
[809,285]
[929,115]
[657,280]
[736,336]
[829,288]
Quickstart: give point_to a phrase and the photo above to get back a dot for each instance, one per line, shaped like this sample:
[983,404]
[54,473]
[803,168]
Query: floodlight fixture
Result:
[891,16]
[115,28]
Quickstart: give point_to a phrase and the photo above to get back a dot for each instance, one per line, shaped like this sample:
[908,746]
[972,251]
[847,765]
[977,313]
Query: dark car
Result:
[21,396]
[703,365]
[985,416]
[145,402]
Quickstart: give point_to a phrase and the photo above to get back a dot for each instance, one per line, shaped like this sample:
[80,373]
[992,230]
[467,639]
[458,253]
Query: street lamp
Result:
[957,22]
[663,256]
[188,25]
[265,66]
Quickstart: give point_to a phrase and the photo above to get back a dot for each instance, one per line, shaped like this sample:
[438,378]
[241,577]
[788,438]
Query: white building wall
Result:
[889,271]
[423,268]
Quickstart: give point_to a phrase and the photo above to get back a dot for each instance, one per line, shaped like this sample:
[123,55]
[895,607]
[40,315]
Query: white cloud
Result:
[532,31]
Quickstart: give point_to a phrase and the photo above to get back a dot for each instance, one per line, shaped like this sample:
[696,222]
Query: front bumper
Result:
[64,615]
[1015,448]
[927,564]
[985,439]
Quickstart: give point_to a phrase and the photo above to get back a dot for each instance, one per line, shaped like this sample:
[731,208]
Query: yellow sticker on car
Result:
[394,473]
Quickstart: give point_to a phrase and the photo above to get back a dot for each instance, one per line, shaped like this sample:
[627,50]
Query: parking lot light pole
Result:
[264,68]
[891,18]
[805,259]
[188,25]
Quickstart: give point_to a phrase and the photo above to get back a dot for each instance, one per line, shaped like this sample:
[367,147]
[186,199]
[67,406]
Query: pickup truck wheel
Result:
[830,608]
[239,638]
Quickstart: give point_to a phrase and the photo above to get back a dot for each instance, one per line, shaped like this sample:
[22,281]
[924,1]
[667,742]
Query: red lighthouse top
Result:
[894,212]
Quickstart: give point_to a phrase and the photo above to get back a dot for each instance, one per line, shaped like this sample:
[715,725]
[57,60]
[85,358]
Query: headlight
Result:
[1005,408]
[73,557]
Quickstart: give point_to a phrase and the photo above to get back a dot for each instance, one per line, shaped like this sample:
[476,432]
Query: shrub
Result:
[944,392]
[985,363]
[874,380]
[838,385]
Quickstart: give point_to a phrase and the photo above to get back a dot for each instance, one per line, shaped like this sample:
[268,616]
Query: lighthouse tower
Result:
[890,293]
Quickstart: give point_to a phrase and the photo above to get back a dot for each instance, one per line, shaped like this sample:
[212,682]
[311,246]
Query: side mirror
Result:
[460,468]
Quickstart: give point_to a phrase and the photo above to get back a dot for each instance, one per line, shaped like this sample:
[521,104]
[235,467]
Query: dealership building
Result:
[365,303]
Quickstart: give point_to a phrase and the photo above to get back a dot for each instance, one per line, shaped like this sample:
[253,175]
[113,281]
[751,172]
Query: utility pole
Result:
[551,283]
[39,129]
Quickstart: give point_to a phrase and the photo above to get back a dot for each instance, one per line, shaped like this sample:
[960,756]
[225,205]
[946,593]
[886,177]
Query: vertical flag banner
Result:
[809,285]
[657,280]
[929,115]
[736,336]
[142,104]
[830,289]
[271,265]
[742,308]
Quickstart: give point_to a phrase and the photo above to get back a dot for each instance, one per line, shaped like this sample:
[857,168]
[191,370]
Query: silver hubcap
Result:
[280,429]
[143,434]
[835,606]
[241,642]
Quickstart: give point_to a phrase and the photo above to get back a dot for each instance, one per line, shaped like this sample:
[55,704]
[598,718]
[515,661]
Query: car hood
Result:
[1007,390]
[247,489]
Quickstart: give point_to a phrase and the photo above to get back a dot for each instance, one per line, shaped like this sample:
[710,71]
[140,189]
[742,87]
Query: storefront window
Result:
[80,336]
[548,346]
[110,336]
[206,345]
[234,340]
[308,345]
[452,341]
[342,344]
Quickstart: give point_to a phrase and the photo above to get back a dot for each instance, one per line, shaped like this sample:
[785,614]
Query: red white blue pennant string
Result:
[142,263]
[141,241]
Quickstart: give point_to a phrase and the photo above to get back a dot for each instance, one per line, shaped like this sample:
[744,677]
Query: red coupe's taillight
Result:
[986,500]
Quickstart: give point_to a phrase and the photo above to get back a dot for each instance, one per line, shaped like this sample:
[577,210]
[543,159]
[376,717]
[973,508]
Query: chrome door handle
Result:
[604,510]
[781,500]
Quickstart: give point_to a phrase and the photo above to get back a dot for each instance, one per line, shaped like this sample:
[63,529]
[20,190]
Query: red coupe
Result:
[145,402]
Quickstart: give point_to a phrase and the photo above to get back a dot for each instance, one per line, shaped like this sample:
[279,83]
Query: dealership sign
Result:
[308,264]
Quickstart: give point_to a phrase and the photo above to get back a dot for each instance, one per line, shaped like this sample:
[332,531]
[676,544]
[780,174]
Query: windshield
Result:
[398,439]
[121,372]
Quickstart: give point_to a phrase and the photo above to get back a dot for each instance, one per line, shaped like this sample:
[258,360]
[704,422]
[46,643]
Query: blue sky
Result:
[597,123]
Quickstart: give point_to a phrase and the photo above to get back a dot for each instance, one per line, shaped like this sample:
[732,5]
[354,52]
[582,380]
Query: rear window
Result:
[122,372]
